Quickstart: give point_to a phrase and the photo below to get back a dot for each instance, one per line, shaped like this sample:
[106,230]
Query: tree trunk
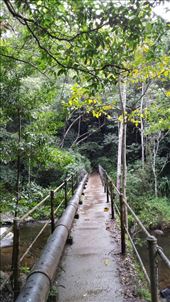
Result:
[121,164]
[154,169]
[18,164]
[15,251]
[119,156]
[155,153]
[124,165]
[142,128]
[29,171]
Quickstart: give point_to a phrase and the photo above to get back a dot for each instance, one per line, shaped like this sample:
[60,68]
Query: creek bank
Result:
[7,219]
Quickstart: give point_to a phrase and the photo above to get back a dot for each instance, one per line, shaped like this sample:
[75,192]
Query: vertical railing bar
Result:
[112,200]
[52,211]
[15,258]
[105,186]
[107,189]
[152,245]
[72,184]
[122,223]
[65,192]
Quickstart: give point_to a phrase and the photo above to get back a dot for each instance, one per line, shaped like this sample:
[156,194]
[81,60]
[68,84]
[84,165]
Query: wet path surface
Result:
[88,271]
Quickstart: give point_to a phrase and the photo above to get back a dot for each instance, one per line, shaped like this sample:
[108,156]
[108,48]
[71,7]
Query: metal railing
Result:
[68,186]
[154,249]
[41,277]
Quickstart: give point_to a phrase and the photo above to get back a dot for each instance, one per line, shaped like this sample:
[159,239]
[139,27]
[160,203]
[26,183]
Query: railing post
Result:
[65,193]
[15,259]
[112,200]
[76,180]
[107,189]
[105,180]
[72,184]
[152,245]
[122,222]
[52,211]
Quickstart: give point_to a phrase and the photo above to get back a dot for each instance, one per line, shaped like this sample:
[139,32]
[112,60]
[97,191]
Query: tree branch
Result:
[55,59]
[25,62]
[25,21]
[22,20]
[68,129]
[84,138]
[142,95]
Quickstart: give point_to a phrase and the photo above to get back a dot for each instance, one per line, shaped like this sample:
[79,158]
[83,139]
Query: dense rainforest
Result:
[85,82]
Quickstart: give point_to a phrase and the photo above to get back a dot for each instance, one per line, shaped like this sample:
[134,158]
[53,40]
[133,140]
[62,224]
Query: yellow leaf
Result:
[167,93]
[107,107]
[166,73]
[106,261]
[120,118]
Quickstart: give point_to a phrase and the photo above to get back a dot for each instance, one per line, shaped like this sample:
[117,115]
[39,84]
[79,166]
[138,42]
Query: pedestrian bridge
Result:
[92,267]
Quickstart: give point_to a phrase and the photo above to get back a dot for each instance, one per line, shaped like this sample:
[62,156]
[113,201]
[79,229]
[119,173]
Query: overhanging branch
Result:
[25,62]
[27,22]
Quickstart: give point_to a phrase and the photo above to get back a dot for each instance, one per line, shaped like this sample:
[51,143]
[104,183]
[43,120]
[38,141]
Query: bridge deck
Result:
[89,272]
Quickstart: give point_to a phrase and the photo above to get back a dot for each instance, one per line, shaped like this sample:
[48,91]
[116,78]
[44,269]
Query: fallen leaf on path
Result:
[106,261]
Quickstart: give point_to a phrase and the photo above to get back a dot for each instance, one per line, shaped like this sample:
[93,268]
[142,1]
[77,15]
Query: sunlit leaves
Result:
[81,99]
[144,69]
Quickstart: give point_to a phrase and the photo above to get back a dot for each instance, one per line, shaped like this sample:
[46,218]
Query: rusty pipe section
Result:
[43,273]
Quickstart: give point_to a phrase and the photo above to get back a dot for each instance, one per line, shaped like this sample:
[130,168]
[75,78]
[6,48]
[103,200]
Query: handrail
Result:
[163,256]
[138,256]
[42,275]
[154,249]
[137,219]
[31,244]
[22,218]
[126,203]
[40,232]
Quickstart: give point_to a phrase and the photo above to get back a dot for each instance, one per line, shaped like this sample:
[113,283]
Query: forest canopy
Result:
[85,82]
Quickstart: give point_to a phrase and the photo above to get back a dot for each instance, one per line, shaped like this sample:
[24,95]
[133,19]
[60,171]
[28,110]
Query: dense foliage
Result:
[67,67]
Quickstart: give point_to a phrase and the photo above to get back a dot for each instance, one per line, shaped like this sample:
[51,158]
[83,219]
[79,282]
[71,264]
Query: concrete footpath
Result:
[88,272]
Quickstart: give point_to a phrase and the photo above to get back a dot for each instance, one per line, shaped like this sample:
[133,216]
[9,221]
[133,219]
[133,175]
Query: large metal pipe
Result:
[43,273]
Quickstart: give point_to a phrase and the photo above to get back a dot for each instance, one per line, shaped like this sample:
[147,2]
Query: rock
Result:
[27,220]
[8,239]
[7,219]
[158,232]
[3,276]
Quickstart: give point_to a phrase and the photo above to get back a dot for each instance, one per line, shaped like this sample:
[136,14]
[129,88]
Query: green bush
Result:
[80,164]
[156,211]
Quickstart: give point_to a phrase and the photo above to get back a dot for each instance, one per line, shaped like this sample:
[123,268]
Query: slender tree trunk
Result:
[142,128]
[29,170]
[68,129]
[119,156]
[154,170]
[124,164]
[155,153]
[18,164]
[15,251]
[121,165]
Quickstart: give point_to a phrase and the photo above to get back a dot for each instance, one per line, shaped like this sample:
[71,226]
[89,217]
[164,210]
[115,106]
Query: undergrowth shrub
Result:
[79,165]
[156,212]
[152,211]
